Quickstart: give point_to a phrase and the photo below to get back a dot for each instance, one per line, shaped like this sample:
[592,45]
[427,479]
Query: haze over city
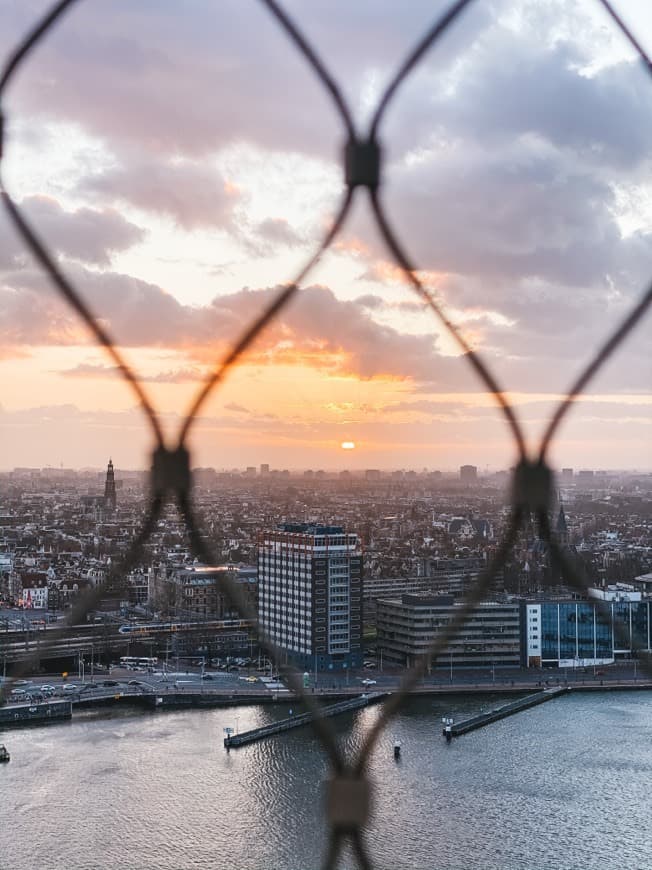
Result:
[365,580]
[182,188]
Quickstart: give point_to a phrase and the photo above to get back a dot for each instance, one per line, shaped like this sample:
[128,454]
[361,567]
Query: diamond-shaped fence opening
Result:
[349,792]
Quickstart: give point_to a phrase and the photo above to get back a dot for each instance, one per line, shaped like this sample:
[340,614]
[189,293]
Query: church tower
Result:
[109,488]
[561,530]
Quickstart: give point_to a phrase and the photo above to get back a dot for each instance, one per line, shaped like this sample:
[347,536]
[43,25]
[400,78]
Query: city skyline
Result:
[200,187]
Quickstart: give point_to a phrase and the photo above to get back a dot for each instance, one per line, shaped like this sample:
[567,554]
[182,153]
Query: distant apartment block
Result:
[437,577]
[200,592]
[310,594]
[468,474]
[567,476]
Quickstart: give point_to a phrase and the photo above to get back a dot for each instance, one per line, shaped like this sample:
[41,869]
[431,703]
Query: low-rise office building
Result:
[570,634]
[407,626]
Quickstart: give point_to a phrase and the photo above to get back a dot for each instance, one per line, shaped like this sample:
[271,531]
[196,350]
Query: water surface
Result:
[564,785]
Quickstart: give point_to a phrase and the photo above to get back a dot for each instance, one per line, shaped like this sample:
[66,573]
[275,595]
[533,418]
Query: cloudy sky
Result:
[183,163]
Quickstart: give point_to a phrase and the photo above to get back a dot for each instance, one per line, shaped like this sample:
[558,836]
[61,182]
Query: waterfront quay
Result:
[188,690]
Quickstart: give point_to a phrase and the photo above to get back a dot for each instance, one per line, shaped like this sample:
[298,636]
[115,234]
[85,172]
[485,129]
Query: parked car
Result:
[108,683]
[48,690]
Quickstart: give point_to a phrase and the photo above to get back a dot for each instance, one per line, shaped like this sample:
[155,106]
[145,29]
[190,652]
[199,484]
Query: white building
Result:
[310,594]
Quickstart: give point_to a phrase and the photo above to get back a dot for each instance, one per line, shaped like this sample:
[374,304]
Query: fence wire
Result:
[349,790]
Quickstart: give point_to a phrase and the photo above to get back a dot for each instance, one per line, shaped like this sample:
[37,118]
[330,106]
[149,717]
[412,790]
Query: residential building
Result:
[199,590]
[468,474]
[310,594]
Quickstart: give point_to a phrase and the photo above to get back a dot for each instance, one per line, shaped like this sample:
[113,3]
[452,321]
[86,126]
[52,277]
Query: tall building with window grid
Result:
[310,594]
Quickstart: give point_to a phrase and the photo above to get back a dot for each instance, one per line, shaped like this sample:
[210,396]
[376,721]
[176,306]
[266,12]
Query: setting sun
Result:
[348,445]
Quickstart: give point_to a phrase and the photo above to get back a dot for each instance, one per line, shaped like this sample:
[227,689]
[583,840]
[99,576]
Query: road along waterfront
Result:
[564,785]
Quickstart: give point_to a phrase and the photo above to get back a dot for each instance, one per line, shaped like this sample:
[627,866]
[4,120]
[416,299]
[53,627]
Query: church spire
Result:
[109,488]
[561,529]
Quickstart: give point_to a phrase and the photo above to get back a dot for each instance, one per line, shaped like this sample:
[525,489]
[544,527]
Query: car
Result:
[70,687]
[207,677]
[18,693]
[48,690]
[369,682]
[22,683]
[109,683]
[134,683]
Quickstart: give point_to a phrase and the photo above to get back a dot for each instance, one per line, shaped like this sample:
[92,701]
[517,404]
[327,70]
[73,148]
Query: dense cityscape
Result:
[400,551]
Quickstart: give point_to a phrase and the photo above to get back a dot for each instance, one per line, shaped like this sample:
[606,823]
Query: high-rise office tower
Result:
[310,594]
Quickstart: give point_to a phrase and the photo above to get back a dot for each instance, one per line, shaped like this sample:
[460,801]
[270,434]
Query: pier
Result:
[302,719]
[16,715]
[456,729]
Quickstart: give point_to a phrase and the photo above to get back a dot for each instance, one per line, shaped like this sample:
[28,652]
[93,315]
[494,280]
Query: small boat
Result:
[4,755]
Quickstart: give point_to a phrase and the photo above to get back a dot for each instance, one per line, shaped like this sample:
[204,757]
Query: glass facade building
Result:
[578,633]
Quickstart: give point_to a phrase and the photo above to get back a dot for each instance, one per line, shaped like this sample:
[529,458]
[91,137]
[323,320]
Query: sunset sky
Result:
[183,163]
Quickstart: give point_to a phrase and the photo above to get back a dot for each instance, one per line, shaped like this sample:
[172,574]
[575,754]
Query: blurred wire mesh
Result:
[349,792]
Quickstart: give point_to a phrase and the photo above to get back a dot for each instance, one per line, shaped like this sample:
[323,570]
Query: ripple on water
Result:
[565,785]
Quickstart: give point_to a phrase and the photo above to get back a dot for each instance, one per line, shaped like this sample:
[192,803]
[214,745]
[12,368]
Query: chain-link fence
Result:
[349,789]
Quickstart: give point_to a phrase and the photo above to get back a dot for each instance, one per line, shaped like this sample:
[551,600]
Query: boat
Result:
[4,755]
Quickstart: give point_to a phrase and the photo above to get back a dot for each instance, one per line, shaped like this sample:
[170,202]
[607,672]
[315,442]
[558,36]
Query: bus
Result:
[133,662]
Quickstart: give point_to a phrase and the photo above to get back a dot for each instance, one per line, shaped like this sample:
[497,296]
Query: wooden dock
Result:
[456,729]
[232,740]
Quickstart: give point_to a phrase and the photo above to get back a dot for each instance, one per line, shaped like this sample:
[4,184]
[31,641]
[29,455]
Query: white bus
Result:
[133,662]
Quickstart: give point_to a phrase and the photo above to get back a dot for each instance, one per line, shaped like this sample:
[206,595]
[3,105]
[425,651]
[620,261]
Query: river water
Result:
[564,785]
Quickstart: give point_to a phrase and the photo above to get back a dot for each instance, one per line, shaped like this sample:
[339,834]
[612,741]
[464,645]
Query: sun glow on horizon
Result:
[348,445]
